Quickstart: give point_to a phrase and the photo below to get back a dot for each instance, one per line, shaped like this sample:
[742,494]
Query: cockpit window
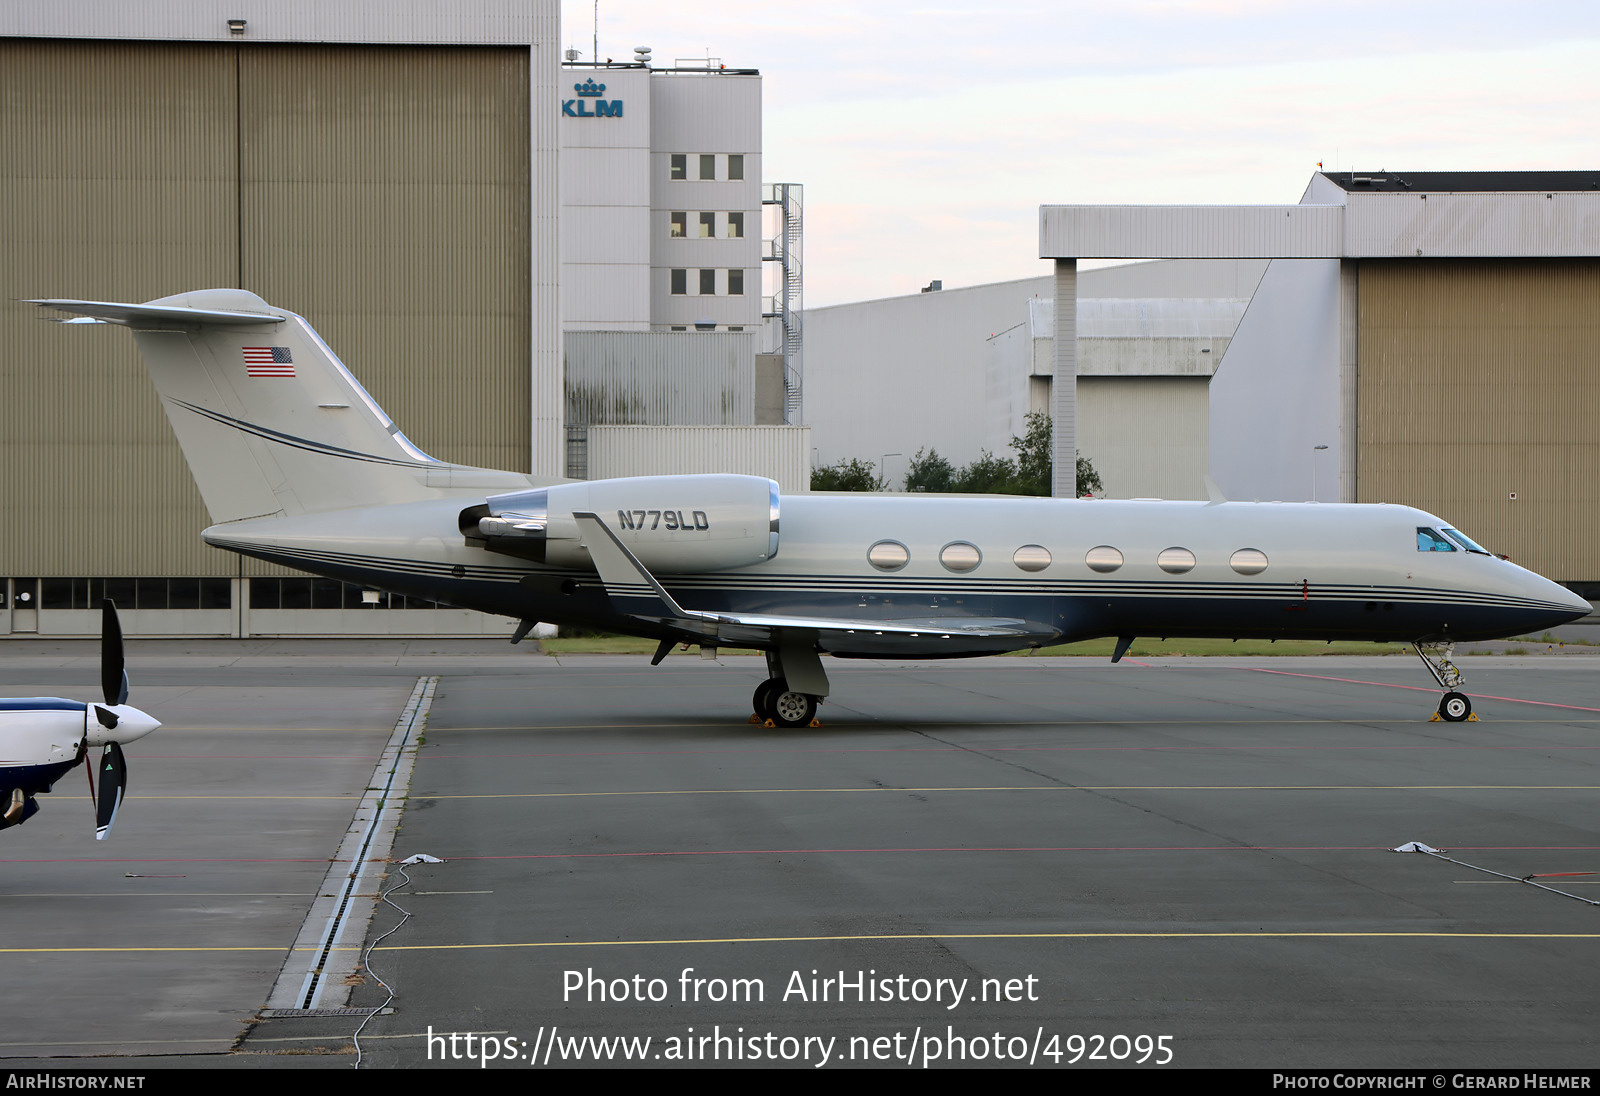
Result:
[1429,540]
[1465,541]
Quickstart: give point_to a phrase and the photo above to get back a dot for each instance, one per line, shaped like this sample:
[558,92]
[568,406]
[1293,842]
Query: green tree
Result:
[988,475]
[854,474]
[930,472]
[1088,478]
[1034,458]
[1028,474]
[1036,463]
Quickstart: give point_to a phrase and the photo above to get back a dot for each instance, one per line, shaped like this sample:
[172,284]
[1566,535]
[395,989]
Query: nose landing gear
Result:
[1454,707]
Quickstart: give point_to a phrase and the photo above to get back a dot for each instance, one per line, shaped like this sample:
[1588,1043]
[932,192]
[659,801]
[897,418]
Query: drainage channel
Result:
[324,960]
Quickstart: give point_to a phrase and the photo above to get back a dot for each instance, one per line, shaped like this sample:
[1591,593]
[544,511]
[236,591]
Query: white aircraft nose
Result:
[132,725]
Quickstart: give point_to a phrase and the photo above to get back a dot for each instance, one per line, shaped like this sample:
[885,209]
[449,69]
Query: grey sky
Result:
[927,134]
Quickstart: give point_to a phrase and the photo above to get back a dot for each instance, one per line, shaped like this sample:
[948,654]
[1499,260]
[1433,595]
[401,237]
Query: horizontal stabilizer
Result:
[269,420]
[153,317]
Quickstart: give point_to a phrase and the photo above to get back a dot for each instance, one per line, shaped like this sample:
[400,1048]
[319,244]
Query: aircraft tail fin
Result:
[270,421]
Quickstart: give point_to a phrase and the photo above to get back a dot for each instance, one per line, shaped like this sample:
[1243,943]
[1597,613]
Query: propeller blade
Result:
[113,677]
[113,781]
[107,718]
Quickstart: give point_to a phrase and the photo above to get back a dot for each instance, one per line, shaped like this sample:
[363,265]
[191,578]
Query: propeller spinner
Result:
[115,722]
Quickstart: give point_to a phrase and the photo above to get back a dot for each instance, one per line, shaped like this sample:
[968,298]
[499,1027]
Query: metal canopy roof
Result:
[1440,215]
[1462,182]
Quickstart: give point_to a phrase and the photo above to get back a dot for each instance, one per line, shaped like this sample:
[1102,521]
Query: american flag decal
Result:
[268,361]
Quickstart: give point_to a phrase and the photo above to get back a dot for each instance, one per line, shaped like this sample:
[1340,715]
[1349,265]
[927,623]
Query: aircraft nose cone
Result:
[1581,606]
[1562,601]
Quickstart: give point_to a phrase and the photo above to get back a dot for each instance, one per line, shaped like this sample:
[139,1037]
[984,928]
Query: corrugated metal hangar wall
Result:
[380,191]
[1478,396]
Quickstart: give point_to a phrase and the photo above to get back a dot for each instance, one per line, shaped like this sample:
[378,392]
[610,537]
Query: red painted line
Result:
[258,757]
[1422,689]
[1558,874]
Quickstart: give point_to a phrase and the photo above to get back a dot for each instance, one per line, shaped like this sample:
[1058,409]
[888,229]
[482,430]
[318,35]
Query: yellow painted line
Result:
[146,798]
[1122,935]
[214,1041]
[1039,788]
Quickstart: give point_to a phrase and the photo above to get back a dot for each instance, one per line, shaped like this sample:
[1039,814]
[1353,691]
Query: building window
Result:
[680,224]
[736,283]
[680,282]
[680,165]
[736,226]
[708,225]
[132,593]
[680,327]
[736,166]
[708,165]
[327,593]
[708,282]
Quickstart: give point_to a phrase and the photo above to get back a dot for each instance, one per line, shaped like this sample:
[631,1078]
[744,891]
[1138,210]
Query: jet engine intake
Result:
[673,524]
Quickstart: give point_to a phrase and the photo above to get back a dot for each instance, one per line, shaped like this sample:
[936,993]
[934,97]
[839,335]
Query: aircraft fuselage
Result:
[1222,569]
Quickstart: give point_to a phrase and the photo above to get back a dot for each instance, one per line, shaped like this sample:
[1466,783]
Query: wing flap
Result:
[636,592]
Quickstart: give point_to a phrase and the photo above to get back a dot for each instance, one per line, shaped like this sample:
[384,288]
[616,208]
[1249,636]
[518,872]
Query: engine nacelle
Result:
[673,524]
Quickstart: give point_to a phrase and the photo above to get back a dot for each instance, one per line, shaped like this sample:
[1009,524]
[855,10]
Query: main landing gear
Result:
[1454,707]
[777,703]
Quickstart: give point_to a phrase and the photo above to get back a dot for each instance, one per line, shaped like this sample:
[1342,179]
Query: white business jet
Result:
[298,465]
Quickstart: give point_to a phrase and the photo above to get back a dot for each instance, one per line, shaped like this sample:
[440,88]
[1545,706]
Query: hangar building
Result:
[393,172]
[1419,338]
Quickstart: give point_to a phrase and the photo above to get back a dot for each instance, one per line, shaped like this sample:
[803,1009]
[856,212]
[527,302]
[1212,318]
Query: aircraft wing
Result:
[636,592]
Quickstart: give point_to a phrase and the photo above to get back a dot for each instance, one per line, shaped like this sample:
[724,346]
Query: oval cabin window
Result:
[1104,559]
[888,555]
[1248,561]
[1175,561]
[960,557]
[1031,557]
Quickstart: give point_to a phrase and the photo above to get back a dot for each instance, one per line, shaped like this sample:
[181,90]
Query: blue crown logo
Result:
[589,88]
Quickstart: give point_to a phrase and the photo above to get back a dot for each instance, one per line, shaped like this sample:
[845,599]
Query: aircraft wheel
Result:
[790,709]
[762,700]
[1455,707]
